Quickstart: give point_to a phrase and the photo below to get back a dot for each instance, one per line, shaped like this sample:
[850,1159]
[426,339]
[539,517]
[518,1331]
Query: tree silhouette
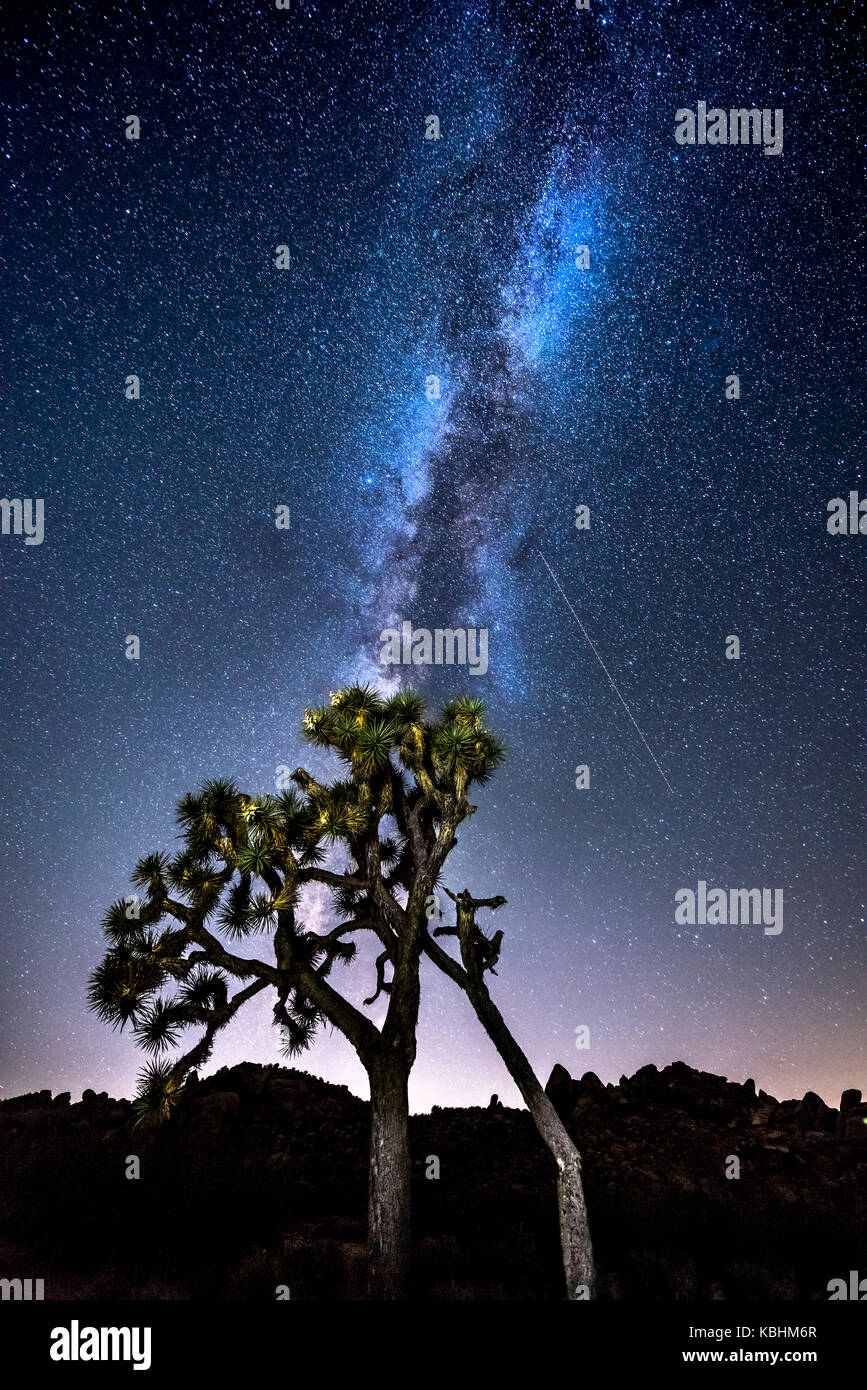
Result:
[242,867]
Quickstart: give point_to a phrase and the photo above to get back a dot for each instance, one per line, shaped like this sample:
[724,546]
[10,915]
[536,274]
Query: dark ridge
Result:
[260,1180]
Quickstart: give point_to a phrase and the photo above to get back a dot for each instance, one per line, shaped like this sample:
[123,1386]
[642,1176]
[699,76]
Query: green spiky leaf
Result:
[158,1095]
[160,1026]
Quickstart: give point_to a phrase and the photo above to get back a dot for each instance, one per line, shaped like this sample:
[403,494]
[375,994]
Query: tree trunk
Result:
[574,1227]
[389,1183]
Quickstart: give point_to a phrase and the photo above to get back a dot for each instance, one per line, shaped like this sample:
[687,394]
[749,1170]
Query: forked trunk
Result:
[389,1185]
[577,1249]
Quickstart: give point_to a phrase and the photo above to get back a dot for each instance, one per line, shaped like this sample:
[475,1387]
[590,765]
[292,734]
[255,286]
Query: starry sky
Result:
[560,386]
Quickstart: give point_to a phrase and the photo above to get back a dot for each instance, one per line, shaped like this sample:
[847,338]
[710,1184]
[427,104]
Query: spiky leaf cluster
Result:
[243,862]
[120,986]
[159,1091]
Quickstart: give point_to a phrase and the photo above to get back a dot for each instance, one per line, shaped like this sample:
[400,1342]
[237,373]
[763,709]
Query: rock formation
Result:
[260,1181]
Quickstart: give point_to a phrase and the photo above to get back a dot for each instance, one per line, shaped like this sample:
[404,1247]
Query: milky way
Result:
[563,381]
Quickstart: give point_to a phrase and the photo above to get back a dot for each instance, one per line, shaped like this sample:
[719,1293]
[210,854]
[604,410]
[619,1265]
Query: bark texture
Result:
[575,1241]
[389,1185]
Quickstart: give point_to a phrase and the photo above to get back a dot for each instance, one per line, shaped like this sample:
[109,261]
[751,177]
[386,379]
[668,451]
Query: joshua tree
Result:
[479,954]
[243,864]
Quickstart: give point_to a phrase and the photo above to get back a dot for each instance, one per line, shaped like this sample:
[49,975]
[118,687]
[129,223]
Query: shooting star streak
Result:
[607,672]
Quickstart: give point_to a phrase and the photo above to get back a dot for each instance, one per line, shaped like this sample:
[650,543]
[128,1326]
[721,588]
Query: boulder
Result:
[214,1114]
[848,1100]
[560,1090]
[785,1112]
[33,1100]
[763,1110]
[645,1079]
[812,1113]
[854,1125]
[590,1082]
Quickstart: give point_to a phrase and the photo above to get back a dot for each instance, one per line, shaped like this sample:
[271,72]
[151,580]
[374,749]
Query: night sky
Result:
[561,386]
